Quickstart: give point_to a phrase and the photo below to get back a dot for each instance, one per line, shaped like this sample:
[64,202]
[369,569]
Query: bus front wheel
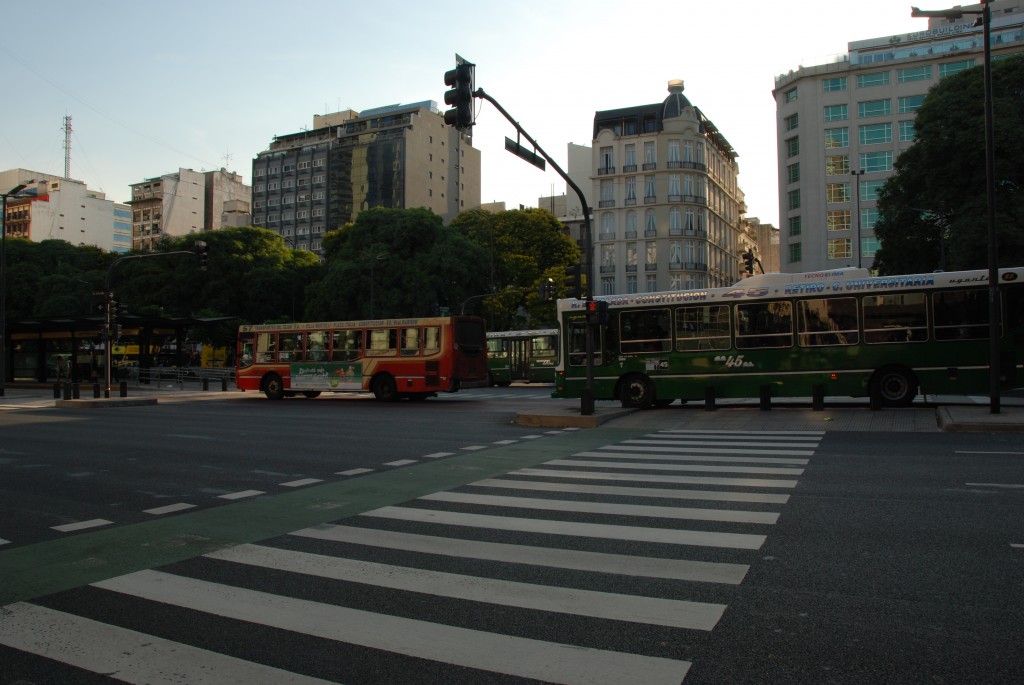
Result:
[895,386]
[273,387]
[384,388]
[636,392]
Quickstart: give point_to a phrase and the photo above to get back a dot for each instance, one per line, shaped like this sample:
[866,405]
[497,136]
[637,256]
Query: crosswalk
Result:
[589,568]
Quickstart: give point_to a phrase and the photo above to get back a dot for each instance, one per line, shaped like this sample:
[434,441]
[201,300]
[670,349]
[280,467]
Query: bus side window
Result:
[431,339]
[895,318]
[764,324]
[383,342]
[291,347]
[410,341]
[266,347]
[346,345]
[317,349]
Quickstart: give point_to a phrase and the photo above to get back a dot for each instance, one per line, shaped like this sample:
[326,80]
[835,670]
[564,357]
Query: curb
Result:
[102,402]
[548,420]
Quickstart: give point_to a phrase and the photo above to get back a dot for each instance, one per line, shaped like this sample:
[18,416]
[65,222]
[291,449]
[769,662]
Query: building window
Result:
[838,220]
[951,68]
[874,108]
[630,190]
[837,165]
[675,221]
[793,173]
[876,161]
[910,103]
[831,85]
[649,194]
[630,162]
[837,112]
[837,192]
[840,248]
[794,199]
[869,246]
[607,226]
[630,224]
[789,95]
[878,78]
[837,137]
[792,121]
[869,190]
[876,134]
[907,133]
[793,146]
[795,226]
[673,152]
[795,253]
[607,193]
[650,226]
[674,189]
[650,155]
[913,74]
[606,162]
[868,218]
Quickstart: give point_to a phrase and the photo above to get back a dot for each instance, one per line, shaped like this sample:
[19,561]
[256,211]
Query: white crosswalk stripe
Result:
[588,568]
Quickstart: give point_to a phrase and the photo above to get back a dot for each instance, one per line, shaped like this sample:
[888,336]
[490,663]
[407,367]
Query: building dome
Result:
[676,102]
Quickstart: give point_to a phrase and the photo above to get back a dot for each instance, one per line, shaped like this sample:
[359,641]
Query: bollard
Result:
[76,392]
[223,384]
[95,391]
[206,383]
[709,398]
[124,388]
[67,391]
[876,396]
[818,398]
[766,397]
[56,390]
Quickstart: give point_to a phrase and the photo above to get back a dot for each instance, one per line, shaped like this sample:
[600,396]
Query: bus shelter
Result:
[72,348]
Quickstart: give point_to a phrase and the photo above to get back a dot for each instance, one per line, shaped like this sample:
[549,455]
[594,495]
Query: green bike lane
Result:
[47,567]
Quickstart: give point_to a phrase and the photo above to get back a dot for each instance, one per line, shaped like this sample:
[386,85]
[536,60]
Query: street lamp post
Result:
[856,194]
[3,285]
[985,18]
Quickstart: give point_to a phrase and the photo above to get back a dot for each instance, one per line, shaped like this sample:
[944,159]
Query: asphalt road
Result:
[439,542]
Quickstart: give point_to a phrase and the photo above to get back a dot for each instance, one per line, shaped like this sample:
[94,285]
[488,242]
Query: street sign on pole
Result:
[520,151]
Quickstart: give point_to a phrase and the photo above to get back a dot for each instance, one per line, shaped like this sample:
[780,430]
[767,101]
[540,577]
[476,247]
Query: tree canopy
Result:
[933,210]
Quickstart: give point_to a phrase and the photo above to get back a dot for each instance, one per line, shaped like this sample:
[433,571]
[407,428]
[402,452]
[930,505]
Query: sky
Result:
[208,84]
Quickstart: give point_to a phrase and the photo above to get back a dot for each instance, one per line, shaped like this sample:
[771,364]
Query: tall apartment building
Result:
[56,208]
[186,202]
[400,156]
[669,204]
[842,125]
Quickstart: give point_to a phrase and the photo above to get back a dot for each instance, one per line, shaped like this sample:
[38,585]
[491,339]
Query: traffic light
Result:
[201,250]
[547,289]
[461,80]
[573,285]
[597,312]
[748,262]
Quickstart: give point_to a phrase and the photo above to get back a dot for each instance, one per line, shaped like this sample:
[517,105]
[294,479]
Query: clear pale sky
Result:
[201,85]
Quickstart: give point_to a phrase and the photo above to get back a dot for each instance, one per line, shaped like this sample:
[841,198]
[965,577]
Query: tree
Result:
[523,247]
[933,210]
[392,263]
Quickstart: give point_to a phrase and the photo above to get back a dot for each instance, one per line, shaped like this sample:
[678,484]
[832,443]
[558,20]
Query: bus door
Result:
[519,358]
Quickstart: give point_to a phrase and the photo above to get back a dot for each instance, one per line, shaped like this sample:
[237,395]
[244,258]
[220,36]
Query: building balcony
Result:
[607,268]
[606,236]
[650,166]
[606,203]
[675,198]
[605,171]
[630,234]
[650,233]
[650,267]
[695,199]
[627,168]
[673,230]
[650,199]
[631,268]
[630,201]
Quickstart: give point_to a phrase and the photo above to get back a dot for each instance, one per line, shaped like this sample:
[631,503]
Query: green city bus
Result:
[529,356]
[841,332]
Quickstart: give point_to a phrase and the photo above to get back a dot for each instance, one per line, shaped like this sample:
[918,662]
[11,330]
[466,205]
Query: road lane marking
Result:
[353,472]
[666,454]
[679,467]
[242,494]
[507,654]
[301,482]
[400,462]
[609,508]
[1012,486]
[573,529]
[81,525]
[577,560]
[604,605]
[438,455]
[169,509]
[133,656]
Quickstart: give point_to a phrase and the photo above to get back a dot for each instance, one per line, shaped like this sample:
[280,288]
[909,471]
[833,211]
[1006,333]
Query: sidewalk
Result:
[931,413]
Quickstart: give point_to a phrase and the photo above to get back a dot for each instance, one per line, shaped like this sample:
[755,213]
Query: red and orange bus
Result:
[392,358]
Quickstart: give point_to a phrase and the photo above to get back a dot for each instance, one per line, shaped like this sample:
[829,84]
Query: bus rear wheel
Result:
[384,388]
[895,386]
[636,392]
[273,387]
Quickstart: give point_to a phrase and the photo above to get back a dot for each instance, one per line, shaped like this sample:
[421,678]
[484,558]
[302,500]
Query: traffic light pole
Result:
[587,396]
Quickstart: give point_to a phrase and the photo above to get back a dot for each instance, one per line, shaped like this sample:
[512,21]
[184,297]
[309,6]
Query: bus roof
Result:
[822,283]
[363,323]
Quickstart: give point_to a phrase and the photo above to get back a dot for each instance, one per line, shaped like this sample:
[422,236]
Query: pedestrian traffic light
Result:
[573,285]
[201,250]
[461,80]
[748,262]
[597,312]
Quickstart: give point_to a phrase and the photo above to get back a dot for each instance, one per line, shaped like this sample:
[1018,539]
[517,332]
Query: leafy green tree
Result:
[933,210]
[391,263]
[522,248]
